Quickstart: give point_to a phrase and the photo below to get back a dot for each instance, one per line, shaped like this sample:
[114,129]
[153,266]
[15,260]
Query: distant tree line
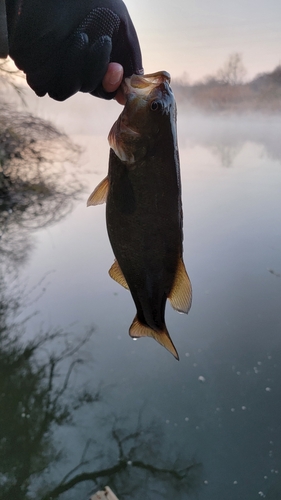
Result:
[227,90]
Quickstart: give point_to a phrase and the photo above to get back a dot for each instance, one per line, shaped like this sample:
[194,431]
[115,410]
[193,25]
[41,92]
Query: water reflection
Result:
[131,467]
[226,153]
[38,179]
[32,400]
[37,398]
[226,136]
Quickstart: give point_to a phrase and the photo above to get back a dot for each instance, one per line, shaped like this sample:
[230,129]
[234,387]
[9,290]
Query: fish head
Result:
[149,103]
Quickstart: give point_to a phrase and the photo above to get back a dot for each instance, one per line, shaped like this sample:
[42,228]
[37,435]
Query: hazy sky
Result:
[196,36]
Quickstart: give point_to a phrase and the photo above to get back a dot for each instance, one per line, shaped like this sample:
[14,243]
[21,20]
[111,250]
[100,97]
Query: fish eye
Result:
[155,105]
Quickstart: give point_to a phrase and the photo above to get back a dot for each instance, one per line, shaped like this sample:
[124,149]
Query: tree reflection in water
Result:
[31,400]
[36,399]
[39,178]
[225,136]
[130,470]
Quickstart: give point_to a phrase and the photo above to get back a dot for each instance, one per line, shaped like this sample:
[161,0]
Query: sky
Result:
[193,38]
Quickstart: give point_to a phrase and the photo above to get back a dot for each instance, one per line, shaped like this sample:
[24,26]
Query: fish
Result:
[144,214]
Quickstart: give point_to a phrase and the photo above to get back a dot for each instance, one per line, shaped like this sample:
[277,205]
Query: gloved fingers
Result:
[100,92]
[83,69]
[68,76]
[98,57]
[61,78]
[39,80]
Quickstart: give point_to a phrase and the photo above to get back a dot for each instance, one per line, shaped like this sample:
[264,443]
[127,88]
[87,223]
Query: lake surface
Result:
[82,404]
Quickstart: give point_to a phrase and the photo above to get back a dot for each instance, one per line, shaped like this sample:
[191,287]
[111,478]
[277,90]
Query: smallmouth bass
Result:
[143,205]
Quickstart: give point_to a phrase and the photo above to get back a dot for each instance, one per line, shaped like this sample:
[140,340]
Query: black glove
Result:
[65,46]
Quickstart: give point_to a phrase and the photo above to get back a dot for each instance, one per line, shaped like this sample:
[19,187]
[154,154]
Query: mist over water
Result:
[124,413]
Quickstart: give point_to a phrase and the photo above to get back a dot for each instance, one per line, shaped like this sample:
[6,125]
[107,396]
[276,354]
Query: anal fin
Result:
[99,195]
[181,293]
[116,274]
[138,330]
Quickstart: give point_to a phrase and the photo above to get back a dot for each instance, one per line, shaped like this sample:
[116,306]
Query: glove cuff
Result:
[4,46]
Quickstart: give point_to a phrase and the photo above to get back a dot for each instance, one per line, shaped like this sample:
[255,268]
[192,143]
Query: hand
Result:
[66,46]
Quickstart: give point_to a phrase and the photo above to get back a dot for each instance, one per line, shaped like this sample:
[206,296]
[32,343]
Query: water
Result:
[79,415]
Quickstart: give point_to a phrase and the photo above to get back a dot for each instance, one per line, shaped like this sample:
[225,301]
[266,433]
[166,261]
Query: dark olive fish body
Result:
[143,206]
[144,228]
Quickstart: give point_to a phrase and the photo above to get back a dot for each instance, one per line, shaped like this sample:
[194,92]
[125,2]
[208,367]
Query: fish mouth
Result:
[144,84]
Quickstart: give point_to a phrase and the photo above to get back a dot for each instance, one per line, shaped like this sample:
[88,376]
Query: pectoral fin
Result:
[116,274]
[120,137]
[138,330]
[181,293]
[99,195]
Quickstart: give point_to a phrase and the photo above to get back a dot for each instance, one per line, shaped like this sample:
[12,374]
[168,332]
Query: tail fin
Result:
[138,330]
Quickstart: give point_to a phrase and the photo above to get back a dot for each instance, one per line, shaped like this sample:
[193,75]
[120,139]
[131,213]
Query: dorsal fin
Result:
[99,195]
[138,330]
[116,274]
[181,293]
